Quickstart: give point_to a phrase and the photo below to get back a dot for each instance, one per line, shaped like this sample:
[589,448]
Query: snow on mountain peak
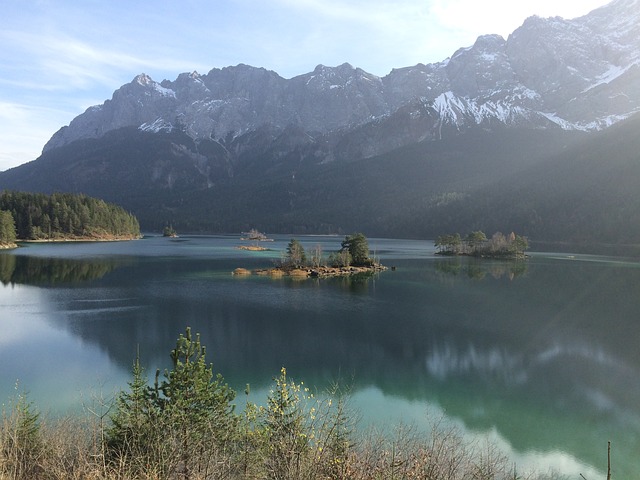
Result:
[143,79]
[585,71]
[146,81]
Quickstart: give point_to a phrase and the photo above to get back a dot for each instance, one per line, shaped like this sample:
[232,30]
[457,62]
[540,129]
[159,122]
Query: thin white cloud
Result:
[380,14]
[387,19]
[502,16]
[24,128]
[66,62]
[374,35]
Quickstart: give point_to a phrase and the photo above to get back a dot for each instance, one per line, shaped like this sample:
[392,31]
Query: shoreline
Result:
[80,239]
[310,272]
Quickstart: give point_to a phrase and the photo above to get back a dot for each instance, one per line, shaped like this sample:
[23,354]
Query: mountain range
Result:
[534,133]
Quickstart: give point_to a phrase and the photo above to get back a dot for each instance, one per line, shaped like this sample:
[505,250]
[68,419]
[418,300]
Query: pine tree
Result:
[178,422]
[192,396]
[21,441]
[135,433]
[7,228]
[358,248]
[296,256]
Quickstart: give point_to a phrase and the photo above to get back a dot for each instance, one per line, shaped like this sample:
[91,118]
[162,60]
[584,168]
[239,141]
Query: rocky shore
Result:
[252,248]
[314,272]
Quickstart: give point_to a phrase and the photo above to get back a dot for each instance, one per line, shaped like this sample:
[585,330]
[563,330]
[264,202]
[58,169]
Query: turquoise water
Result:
[541,357]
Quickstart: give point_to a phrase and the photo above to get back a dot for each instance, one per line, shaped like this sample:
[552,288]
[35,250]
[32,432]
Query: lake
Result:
[540,356]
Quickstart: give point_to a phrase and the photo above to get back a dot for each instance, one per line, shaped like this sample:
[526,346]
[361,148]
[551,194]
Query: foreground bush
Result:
[185,427]
[176,427]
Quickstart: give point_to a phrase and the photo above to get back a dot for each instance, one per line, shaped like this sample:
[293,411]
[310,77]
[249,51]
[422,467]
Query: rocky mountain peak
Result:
[480,69]
[573,74]
[143,79]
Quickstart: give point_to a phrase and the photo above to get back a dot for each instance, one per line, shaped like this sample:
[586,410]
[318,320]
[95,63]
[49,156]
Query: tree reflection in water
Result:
[478,268]
[41,271]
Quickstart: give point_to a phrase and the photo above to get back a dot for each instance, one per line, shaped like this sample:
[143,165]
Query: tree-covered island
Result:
[169,231]
[352,258]
[477,244]
[62,217]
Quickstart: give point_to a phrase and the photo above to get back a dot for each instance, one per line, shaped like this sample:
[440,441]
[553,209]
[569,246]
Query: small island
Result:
[476,244]
[169,231]
[256,237]
[252,248]
[352,259]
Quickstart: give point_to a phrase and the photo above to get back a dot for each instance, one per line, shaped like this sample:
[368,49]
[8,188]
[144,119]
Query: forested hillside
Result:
[38,216]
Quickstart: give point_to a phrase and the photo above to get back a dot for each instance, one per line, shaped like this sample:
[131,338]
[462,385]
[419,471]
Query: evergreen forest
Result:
[59,216]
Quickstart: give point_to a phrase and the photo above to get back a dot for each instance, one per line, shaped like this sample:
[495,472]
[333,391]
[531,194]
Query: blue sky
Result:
[59,57]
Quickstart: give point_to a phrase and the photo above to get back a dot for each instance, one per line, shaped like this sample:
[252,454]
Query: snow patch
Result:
[156,126]
[528,93]
[489,57]
[144,79]
[458,111]
[561,122]
[165,92]
[605,122]
[607,77]
[598,124]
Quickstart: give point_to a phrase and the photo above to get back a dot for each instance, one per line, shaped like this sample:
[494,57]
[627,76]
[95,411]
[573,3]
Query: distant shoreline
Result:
[81,239]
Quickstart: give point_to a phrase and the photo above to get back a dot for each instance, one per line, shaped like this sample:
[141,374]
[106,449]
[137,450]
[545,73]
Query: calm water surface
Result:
[541,357]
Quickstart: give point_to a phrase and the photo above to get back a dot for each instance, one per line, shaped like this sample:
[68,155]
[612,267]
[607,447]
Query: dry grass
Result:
[142,435]
[72,448]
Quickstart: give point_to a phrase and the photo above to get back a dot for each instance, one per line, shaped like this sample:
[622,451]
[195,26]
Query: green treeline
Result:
[477,244]
[37,216]
[354,251]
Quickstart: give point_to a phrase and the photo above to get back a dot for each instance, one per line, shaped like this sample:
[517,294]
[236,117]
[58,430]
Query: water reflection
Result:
[356,283]
[478,268]
[548,361]
[27,270]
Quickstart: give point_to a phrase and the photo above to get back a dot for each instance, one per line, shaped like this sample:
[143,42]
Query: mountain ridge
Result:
[548,72]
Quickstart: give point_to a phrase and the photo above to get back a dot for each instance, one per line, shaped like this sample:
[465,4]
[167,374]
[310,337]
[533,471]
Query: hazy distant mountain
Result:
[176,150]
